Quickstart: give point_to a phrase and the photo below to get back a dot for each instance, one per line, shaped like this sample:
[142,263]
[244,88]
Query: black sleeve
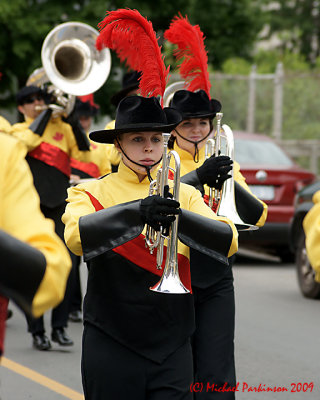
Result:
[208,236]
[249,208]
[22,269]
[80,135]
[38,126]
[109,228]
[192,179]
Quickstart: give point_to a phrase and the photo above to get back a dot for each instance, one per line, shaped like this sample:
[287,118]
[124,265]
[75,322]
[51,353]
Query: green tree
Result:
[230,26]
[297,24]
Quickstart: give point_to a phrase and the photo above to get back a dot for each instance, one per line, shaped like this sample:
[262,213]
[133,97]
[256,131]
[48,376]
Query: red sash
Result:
[89,168]
[53,156]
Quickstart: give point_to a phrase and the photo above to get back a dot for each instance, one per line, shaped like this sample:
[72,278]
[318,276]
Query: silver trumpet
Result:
[226,196]
[170,282]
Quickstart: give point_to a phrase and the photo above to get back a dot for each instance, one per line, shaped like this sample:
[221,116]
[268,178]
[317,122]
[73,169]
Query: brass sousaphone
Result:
[71,62]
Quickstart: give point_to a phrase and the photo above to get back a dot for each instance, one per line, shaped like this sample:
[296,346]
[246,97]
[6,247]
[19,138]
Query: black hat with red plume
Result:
[134,40]
[195,102]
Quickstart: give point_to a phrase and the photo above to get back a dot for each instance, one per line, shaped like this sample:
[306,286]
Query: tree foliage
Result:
[297,24]
[230,26]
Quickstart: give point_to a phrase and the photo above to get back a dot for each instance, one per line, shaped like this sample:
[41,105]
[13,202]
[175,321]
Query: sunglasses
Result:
[32,99]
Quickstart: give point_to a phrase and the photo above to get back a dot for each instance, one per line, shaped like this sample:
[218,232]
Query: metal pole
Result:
[278,102]
[251,100]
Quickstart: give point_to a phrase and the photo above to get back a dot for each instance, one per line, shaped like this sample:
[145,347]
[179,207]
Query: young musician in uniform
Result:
[35,263]
[213,341]
[311,226]
[95,162]
[129,329]
[50,144]
[136,341]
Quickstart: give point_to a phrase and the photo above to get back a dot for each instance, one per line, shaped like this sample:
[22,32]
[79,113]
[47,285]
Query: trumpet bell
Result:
[227,209]
[227,205]
[72,62]
[170,281]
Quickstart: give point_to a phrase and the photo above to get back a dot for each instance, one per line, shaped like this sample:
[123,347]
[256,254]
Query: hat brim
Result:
[26,92]
[109,135]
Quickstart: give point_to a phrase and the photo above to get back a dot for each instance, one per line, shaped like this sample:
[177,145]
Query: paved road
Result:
[277,343]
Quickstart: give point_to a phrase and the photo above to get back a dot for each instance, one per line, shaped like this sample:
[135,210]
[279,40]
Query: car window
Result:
[253,152]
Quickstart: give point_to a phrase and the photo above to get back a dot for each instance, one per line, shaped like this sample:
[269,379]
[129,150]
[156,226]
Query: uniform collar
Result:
[185,155]
[131,177]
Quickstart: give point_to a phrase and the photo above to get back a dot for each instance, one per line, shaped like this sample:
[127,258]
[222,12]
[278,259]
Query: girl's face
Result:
[193,129]
[144,148]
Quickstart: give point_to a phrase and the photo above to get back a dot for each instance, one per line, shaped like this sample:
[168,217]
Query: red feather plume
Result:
[191,53]
[132,37]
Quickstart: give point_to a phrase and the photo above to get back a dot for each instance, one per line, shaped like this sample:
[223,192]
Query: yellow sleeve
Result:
[78,204]
[311,226]
[22,218]
[197,205]
[26,136]
[238,177]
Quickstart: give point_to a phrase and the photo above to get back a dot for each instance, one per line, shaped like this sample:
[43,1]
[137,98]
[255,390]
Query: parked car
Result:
[303,202]
[274,178]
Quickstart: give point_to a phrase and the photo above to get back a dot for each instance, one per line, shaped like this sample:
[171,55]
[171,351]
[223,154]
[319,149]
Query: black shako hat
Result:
[139,114]
[27,91]
[130,81]
[195,104]
[85,109]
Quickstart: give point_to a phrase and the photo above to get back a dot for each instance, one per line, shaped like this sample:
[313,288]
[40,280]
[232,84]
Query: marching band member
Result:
[95,162]
[136,341]
[104,220]
[50,143]
[213,341]
[35,263]
[311,227]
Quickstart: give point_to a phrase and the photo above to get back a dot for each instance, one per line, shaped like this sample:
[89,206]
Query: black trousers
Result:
[213,340]
[75,292]
[59,315]
[112,371]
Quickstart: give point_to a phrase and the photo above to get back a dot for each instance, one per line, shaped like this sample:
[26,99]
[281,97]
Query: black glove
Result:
[214,171]
[157,211]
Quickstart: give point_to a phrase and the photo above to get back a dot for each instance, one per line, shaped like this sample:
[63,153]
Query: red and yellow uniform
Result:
[311,226]
[54,147]
[49,157]
[4,125]
[22,220]
[121,269]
